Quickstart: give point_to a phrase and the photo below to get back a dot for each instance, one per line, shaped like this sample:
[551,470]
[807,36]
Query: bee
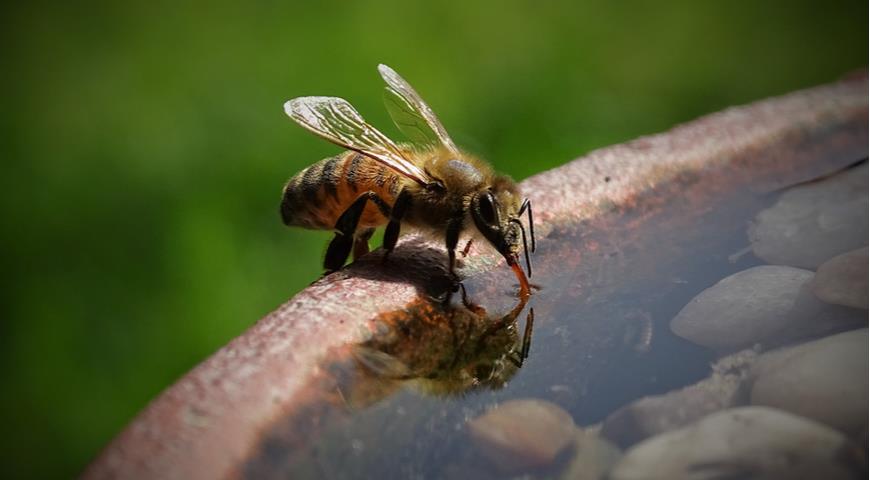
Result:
[428,185]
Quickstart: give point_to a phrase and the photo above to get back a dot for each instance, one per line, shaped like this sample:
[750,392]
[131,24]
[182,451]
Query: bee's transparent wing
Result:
[409,121]
[411,114]
[337,121]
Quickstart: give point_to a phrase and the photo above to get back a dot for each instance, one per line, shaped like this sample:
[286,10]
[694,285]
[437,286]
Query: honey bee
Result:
[428,185]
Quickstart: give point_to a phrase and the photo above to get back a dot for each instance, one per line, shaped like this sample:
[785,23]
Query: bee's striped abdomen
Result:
[318,195]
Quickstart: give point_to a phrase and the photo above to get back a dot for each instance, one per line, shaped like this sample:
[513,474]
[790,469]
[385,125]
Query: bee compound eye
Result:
[487,208]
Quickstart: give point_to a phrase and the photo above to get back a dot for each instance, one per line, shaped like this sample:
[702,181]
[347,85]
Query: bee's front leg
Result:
[454,228]
[467,247]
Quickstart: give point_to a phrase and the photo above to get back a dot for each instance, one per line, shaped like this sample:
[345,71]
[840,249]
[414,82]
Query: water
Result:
[595,333]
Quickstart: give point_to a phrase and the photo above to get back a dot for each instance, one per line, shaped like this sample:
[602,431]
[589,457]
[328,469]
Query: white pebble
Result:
[747,442]
[825,380]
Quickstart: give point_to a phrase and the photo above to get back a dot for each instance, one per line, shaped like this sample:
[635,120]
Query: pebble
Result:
[657,414]
[746,442]
[825,380]
[765,304]
[815,221]
[593,457]
[842,280]
[520,435]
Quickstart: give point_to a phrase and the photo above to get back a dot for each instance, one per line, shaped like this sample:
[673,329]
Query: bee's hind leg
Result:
[340,246]
[361,242]
[391,234]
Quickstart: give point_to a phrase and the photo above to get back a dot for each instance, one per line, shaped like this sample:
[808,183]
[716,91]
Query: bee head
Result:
[496,212]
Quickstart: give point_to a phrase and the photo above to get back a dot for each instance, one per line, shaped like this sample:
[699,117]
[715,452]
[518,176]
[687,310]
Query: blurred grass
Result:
[144,149]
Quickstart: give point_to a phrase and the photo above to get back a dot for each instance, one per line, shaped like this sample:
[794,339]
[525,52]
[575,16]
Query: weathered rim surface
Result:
[207,423]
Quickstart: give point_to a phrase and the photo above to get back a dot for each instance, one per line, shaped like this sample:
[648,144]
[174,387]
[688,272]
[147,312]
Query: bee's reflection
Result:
[440,349]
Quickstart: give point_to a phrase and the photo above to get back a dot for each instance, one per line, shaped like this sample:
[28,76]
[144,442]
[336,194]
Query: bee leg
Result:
[361,242]
[391,234]
[527,335]
[340,246]
[454,228]
[467,248]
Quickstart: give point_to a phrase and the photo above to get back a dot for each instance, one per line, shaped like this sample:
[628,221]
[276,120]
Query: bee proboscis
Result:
[429,185]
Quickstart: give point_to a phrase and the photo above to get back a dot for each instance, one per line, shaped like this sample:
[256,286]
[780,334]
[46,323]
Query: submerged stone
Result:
[593,457]
[522,434]
[842,280]
[813,222]
[825,380]
[657,414]
[746,442]
[764,304]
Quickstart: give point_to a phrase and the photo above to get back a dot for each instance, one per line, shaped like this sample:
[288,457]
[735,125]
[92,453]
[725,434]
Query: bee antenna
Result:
[525,245]
[527,205]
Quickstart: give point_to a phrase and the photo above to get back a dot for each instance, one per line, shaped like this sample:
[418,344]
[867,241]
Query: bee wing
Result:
[410,113]
[337,121]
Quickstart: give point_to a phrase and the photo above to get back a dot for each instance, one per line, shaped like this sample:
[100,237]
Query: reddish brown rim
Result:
[207,423]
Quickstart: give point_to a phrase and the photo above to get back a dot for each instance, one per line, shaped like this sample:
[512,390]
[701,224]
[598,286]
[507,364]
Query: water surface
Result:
[396,405]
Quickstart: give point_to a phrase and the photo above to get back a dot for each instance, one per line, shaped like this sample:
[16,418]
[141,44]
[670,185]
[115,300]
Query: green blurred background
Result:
[145,147]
